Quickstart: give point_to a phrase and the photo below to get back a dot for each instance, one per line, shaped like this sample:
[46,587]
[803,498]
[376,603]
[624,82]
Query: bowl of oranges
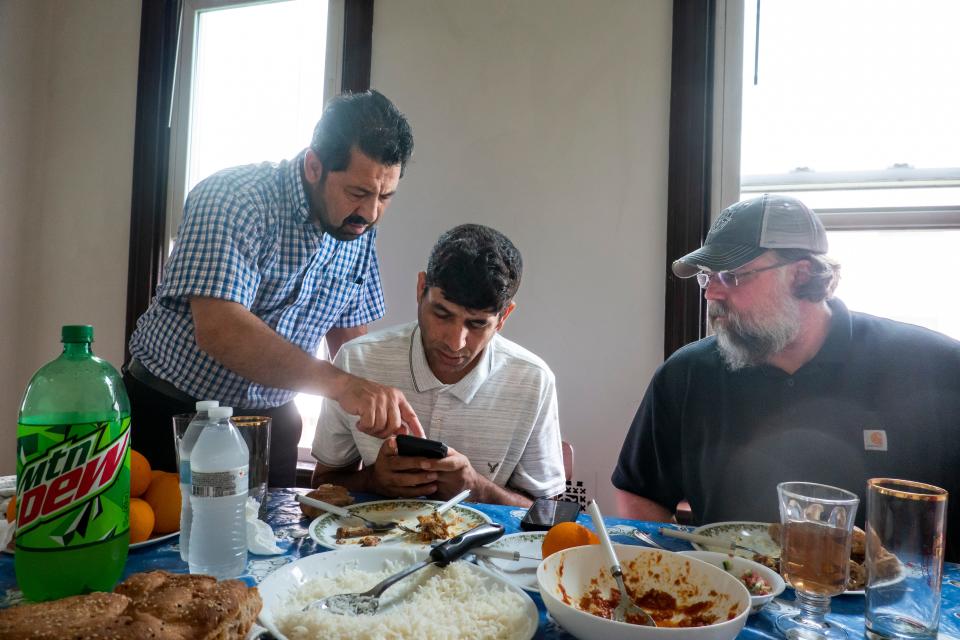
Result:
[154,504]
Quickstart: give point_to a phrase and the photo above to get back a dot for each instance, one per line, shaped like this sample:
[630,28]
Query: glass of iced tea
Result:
[817,526]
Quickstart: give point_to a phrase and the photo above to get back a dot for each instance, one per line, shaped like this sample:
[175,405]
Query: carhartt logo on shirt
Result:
[874,440]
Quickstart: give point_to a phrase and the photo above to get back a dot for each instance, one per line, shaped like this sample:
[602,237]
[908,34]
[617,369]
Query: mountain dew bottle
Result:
[73,474]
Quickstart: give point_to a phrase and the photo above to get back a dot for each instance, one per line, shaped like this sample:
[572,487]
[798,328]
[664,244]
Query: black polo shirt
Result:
[880,399]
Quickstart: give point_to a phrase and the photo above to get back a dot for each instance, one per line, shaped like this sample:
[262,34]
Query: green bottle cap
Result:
[76,333]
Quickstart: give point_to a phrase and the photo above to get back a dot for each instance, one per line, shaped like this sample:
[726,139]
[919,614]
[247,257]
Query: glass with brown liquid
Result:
[815,541]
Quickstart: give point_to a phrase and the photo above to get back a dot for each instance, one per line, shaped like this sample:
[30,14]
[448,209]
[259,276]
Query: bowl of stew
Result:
[687,597]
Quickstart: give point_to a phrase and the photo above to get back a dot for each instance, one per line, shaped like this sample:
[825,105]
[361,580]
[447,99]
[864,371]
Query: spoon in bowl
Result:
[626,606]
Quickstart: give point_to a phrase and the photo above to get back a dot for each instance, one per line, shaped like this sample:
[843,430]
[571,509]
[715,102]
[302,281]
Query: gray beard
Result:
[748,342]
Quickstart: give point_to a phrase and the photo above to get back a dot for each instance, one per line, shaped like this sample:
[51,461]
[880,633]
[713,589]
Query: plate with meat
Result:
[765,539]
[419,525]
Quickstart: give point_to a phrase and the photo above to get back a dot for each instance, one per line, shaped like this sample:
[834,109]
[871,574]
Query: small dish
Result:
[739,567]
[522,572]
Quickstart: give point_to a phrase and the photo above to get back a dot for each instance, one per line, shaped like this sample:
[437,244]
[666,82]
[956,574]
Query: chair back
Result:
[567,458]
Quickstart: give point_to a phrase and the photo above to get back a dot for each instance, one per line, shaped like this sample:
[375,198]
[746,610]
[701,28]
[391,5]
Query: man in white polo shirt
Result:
[490,400]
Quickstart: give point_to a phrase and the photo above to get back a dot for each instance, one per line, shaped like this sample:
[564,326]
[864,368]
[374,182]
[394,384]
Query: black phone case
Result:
[420,447]
[560,511]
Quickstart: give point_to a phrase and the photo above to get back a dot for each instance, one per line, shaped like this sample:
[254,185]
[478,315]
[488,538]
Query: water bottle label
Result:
[219,484]
[184,472]
[73,484]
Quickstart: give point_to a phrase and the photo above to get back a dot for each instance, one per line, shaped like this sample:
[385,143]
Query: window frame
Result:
[714,104]
[349,55]
[729,56]
[184,89]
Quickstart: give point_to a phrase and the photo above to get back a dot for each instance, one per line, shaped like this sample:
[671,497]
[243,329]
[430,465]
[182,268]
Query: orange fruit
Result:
[141,520]
[164,496]
[154,473]
[12,509]
[139,474]
[566,535]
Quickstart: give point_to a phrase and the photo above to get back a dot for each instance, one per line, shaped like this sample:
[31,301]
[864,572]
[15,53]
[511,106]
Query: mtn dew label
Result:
[73,484]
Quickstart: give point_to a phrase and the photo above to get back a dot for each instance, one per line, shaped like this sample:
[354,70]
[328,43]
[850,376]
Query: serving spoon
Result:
[626,606]
[352,604]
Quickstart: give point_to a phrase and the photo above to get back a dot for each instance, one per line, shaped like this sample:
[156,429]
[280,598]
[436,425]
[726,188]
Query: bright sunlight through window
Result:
[854,109]
[257,93]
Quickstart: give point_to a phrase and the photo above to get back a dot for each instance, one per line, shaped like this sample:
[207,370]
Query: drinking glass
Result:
[255,431]
[906,524]
[815,540]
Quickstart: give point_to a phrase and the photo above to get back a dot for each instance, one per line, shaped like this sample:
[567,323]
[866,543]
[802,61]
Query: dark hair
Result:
[368,121]
[476,267]
[824,274]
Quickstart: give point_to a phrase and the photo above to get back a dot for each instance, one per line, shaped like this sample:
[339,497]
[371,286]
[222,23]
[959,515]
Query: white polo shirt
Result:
[502,415]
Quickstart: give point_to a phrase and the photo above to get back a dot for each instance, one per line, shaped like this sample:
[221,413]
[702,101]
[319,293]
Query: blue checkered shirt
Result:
[247,237]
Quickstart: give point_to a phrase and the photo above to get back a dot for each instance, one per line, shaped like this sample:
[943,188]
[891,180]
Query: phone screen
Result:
[544,513]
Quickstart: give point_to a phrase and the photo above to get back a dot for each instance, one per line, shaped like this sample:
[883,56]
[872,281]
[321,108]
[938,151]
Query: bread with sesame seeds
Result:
[96,616]
[154,604]
[195,607]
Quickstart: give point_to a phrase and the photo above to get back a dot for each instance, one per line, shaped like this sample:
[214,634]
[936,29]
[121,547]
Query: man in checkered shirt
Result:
[270,259]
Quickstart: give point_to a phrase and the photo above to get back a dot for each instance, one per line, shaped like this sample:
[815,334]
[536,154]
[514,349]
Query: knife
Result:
[503,554]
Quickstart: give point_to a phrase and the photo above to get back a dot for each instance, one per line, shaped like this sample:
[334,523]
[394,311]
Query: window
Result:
[252,82]
[851,107]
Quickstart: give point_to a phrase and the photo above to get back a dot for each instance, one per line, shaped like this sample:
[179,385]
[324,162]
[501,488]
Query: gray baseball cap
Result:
[746,230]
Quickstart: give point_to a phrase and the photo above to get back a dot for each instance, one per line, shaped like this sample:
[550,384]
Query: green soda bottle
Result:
[73,474]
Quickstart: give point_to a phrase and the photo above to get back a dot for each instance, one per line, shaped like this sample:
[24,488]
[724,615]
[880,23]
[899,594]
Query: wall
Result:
[544,118]
[548,120]
[68,73]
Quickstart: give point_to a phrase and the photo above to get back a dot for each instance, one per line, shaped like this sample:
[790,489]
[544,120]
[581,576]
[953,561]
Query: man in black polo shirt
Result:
[792,386]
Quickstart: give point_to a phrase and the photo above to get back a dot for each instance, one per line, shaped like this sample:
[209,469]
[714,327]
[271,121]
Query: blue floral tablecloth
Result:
[283,514]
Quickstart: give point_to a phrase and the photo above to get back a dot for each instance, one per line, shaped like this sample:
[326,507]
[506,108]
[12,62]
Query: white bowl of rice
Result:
[460,600]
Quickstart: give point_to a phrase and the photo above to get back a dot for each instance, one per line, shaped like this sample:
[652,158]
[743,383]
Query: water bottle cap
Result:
[216,413]
[76,333]
[206,405]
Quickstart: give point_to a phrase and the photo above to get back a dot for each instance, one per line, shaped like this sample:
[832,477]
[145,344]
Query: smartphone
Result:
[420,447]
[544,513]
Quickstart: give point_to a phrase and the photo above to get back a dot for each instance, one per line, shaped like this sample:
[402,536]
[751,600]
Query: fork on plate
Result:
[647,539]
[376,527]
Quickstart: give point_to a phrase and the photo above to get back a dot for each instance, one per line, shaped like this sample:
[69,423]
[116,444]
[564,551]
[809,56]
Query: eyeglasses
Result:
[731,279]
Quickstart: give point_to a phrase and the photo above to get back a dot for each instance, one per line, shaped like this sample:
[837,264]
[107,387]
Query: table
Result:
[283,514]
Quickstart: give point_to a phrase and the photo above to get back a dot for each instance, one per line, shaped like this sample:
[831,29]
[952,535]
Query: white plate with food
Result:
[152,540]
[765,538]
[522,572]
[149,542]
[755,535]
[431,603]
[333,532]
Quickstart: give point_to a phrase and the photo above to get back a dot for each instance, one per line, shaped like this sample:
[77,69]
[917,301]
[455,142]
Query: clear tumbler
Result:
[906,524]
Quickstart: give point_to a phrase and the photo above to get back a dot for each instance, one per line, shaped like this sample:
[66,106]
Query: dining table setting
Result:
[510,556]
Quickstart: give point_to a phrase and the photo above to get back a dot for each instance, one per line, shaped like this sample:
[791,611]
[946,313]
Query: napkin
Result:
[260,537]
[6,528]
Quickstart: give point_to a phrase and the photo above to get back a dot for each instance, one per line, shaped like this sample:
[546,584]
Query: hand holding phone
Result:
[420,447]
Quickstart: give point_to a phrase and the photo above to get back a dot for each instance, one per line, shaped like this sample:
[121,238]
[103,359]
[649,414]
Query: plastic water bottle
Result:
[219,483]
[189,439]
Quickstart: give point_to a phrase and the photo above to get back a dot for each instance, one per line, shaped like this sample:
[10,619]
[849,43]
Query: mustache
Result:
[355,219]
